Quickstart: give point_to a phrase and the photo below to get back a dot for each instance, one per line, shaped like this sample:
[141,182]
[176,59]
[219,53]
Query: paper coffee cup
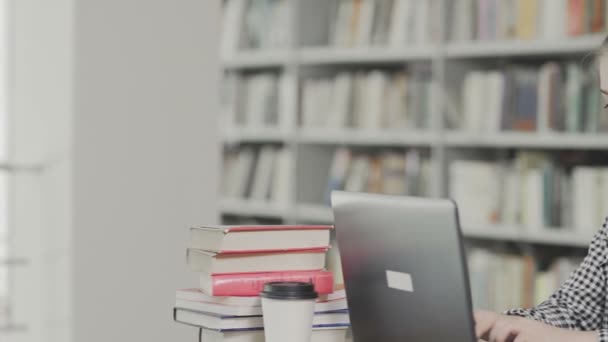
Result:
[288,309]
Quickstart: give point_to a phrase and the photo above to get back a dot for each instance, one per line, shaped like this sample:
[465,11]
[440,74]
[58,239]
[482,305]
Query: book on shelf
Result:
[395,23]
[337,334]
[255,101]
[474,187]
[260,174]
[501,281]
[224,263]
[195,300]
[390,172]
[552,98]
[332,319]
[370,100]
[533,191]
[491,20]
[254,25]
[255,238]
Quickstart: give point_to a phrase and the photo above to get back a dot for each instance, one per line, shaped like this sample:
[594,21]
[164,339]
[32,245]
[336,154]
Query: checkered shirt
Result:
[580,303]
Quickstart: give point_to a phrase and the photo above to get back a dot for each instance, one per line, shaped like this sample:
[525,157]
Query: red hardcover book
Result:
[239,239]
[576,17]
[251,284]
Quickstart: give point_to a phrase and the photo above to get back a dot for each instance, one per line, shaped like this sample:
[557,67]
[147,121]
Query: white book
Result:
[341,28]
[552,19]
[260,92]
[400,25]
[512,196]
[287,100]
[280,192]
[586,199]
[264,174]
[475,97]
[278,34]
[231,310]
[214,263]
[533,214]
[308,102]
[357,175]
[240,175]
[318,335]
[323,99]
[397,102]
[382,21]
[474,187]
[196,295]
[373,113]
[495,82]
[232,21]
[342,101]
[421,23]
[366,22]
[464,29]
[226,239]
[360,100]
[201,319]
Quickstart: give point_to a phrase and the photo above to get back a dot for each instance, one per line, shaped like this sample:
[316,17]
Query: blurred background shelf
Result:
[581,45]
[255,135]
[354,137]
[311,56]
[546,236]
[256,59]
[573,141]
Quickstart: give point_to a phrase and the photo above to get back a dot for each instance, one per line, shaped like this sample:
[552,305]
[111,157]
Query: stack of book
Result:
[554,97]
[234,263]
[536,191]
[368,100]
[491,20]
[259,174]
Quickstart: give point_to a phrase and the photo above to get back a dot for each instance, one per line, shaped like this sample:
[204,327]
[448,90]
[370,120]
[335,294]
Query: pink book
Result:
[251,284]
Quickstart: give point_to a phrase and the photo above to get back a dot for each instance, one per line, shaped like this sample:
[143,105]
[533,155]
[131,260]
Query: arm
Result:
[579,304]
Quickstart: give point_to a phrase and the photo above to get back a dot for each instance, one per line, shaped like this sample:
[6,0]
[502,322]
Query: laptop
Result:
[404,268]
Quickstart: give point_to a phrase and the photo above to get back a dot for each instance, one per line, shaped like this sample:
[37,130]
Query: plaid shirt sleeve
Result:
[580,302]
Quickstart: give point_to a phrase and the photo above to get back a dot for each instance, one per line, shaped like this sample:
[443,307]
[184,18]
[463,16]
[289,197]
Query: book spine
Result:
[252,284]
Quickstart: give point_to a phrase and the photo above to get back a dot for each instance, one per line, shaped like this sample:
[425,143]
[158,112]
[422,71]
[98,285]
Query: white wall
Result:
[41,111]
[117,98]
[145,160]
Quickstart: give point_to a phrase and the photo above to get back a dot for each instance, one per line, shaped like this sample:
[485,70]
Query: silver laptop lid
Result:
[404,268]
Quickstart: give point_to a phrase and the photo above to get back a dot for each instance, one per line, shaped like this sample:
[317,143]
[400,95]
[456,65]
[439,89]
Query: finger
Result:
[503,331]
[482,329]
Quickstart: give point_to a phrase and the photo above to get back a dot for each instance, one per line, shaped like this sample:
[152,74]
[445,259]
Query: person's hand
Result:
[490,326]
[484,321]
[517,329]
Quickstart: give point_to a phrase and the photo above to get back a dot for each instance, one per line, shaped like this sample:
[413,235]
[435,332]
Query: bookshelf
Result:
[310,53]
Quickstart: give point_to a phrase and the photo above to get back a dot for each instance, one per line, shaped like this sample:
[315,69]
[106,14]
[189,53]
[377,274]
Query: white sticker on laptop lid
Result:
[399,281]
